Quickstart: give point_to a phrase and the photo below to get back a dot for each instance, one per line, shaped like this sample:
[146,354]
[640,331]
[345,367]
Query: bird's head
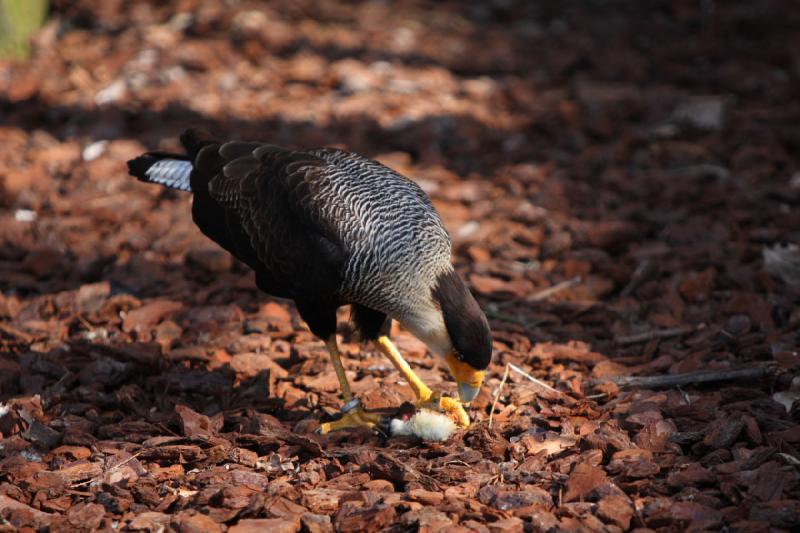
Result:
[471,341]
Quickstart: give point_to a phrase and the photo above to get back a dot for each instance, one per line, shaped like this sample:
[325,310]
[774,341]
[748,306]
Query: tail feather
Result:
[173,170]
[170,170]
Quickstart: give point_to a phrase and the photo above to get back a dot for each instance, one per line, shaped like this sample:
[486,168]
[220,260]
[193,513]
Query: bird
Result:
[326,227]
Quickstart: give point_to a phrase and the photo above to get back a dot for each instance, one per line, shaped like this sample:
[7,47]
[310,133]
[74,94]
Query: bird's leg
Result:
[421,391]
[336,359]
[353,415]
[425,396]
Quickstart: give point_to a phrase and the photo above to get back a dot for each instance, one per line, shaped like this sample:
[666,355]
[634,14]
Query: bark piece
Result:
[582,481]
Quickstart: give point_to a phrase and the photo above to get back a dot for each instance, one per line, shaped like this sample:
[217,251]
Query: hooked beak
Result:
[466,392]
[469,380]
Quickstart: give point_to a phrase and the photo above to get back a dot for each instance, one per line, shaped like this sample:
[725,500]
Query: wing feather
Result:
[271,195]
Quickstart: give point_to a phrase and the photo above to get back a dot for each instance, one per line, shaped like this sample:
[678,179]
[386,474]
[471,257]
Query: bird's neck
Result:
[427,324]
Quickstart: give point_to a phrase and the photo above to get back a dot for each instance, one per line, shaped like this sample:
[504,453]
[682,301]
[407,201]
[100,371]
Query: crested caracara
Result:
[325,228]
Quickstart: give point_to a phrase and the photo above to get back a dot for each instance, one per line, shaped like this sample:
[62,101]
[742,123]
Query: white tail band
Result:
[173,173]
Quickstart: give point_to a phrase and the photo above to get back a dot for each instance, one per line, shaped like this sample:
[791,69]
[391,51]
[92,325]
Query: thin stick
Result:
[654,334]
[503,317]
[555,289]
[497,394]
[542,384]
[688,378]
[11,331]
[643,272]
[540,295]
[126,461]
[692,171]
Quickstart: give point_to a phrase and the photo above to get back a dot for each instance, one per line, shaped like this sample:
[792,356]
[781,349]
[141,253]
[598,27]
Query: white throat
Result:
[427,324]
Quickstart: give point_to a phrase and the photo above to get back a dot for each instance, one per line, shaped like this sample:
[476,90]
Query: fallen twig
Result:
[503,317]
[116,466]
[11,331]
[688,378]
[539,295]
[790,459]
[695,171]
[654,334]
[555,289]
[538,382]
[645,271]
[497,394]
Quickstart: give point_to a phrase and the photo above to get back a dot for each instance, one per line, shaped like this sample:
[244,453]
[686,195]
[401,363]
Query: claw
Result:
[447,405]
[355,417]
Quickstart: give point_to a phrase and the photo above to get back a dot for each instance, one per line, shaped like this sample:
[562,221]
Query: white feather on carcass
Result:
[425,424]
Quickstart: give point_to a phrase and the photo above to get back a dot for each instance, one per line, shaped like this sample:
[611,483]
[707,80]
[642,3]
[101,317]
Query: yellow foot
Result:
[354,417]
[451,406]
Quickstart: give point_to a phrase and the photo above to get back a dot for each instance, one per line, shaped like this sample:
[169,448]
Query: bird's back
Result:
[322,223]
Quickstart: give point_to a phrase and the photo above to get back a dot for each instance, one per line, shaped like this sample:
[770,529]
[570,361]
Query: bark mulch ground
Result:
[622,185]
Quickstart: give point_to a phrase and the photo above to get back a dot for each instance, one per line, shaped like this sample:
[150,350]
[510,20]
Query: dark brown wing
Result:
[260,203]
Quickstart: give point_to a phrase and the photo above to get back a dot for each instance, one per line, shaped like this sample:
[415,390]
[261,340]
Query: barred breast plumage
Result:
[397,244]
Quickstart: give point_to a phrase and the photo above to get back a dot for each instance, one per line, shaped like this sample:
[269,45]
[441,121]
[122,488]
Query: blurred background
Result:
[621,180]
[542,129]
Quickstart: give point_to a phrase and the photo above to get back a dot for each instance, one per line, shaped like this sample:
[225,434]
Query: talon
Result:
[455,408]
[355,417]
[448,405]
